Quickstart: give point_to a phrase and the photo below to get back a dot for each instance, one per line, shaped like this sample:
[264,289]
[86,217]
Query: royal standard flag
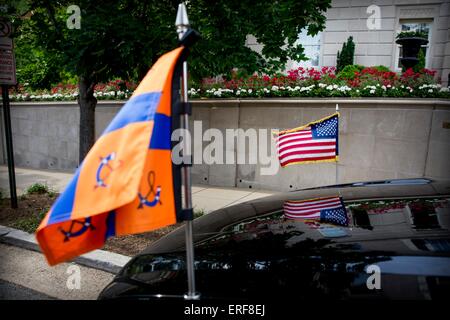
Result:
[314,142]
[126,183]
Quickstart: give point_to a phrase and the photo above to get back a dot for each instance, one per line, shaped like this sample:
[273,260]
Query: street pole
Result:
[9,146]
[337,138]
[182,24]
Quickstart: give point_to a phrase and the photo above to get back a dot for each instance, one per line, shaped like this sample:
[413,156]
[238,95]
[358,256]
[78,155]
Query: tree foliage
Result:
[346,55]
[276,25]
[123,38]
[421,63]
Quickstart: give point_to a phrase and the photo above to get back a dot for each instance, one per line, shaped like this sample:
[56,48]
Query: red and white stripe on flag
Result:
[311,143]
[310,209]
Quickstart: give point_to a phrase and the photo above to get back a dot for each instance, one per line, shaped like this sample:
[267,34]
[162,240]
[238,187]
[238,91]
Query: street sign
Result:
[5,33]
[6,43]
[5,28]
[7,62]
[7,78]
[7,67]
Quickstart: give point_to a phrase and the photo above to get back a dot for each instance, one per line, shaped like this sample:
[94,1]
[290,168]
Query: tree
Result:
[345,56]
[36,68]
[421,63]
[122,38]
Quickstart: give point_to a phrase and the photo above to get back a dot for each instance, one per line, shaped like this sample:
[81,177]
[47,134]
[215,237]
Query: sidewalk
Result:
[204,197]
[29,271]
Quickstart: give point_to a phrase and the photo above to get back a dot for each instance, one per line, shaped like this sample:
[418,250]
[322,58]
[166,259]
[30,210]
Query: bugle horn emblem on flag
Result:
[126,184]
[314,142]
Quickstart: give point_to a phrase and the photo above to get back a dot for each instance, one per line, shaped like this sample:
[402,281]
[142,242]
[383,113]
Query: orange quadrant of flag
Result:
[125,184]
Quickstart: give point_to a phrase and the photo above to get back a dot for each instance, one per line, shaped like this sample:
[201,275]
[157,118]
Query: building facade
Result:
[374,24]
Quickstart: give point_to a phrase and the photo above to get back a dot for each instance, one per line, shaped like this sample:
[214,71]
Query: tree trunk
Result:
[87,103]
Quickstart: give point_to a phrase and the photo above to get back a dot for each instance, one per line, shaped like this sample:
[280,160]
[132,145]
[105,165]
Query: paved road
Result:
[12,291]
[25,273]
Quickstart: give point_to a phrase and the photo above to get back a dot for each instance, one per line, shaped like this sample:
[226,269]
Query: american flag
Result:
[328,210]
[315,142]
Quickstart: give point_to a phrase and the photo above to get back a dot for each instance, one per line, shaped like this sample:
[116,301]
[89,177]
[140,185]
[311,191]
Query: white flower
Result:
[250,90]
[430,90]
[275,88]
[372,91]
[344,88]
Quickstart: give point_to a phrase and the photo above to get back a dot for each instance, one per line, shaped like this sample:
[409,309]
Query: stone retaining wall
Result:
[379,138]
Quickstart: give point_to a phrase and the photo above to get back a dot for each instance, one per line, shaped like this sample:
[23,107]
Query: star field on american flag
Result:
[325,129]
[334,216]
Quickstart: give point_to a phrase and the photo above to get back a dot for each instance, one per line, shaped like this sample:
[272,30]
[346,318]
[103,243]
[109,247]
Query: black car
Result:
[394,245]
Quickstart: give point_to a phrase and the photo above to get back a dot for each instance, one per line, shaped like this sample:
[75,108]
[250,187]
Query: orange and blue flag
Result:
[126,183]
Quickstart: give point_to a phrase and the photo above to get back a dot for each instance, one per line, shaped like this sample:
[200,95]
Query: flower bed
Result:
[113,90]
[369,82]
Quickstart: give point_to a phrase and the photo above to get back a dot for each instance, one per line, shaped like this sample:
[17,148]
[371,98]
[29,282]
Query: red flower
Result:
[429,72]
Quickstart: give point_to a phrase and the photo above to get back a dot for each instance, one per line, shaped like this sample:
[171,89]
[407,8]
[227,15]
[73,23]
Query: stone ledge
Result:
[249,101]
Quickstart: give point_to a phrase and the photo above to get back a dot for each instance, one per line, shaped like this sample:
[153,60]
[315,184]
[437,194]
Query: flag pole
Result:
[182,25]
[337,138]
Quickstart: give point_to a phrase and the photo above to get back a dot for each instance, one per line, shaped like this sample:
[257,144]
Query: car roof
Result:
[216,223]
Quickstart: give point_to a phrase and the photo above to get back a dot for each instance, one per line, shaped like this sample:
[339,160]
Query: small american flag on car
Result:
[314,142]
[327,210]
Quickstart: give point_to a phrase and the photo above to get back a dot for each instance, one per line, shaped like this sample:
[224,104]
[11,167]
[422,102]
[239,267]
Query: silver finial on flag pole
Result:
[182,20]
[182,25]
